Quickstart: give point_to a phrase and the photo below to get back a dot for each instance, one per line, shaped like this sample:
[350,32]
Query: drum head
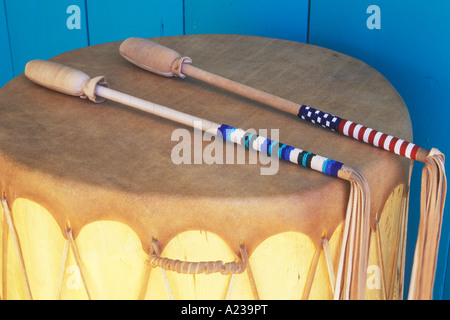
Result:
[86,161]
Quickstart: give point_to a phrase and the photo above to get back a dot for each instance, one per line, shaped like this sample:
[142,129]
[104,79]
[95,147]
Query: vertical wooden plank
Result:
[407,41]
[43,29]
[287,20]
[6,71]
[114,20]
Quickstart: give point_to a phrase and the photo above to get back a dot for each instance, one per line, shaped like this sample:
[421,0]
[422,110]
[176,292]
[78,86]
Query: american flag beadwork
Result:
[359,132]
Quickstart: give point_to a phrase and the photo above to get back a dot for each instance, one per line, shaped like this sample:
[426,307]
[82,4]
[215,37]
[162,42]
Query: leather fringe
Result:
[432,200]
[351,277]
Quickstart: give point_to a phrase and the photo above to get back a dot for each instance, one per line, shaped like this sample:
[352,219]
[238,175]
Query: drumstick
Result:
[167,62]
[354,256]
[73,82]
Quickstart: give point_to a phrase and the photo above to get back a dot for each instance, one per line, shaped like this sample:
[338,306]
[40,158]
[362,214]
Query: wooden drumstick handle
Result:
[152,56]
[74,82]
[159,59]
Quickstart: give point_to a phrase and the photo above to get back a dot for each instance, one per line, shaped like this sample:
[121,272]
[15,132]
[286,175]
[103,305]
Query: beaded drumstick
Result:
[354,254]
[167,62]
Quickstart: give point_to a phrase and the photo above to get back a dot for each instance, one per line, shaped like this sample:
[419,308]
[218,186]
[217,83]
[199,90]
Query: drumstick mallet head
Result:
[73,82]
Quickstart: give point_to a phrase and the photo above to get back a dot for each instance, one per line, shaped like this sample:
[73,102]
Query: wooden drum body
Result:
[91,193]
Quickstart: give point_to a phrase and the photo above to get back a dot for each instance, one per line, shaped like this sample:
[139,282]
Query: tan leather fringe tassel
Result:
[351,275]
[432,200]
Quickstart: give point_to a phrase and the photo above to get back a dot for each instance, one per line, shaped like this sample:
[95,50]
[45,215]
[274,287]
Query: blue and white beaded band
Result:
[283,151]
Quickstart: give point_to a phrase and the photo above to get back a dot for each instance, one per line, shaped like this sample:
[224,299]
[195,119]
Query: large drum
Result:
[95,196]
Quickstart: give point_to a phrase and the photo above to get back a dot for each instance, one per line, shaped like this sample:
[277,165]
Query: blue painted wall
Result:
[115,20]
[406,40]
[39,30]
[266,18]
